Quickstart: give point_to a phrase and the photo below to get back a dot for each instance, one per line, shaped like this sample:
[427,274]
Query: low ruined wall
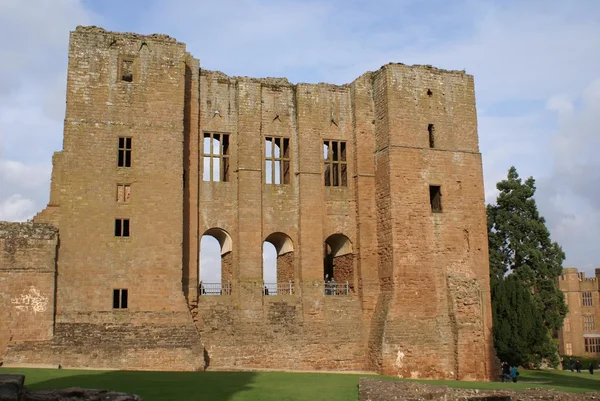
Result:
[283,334]
[128,341]
[27,279]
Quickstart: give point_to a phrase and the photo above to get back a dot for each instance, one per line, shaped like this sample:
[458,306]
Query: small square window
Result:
[120,298]
[435,198]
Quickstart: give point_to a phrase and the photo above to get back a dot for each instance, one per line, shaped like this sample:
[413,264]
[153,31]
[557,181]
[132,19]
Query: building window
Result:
[567,325]
[586,298]
[431,130]
[124,159]
[127,70]
[568,349]
[435,198]
[336,168]
[120,299]
[588,323]
[121,227]
[216,157]
[592,344]
[123,193]
[277,160]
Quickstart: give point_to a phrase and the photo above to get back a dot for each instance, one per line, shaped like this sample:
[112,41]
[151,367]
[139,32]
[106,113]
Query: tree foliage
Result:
[520,246]
[518,327]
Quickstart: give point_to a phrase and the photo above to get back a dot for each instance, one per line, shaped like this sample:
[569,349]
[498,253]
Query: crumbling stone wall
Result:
[227,267]
[27,275]
[420,303]
[343,269]
[285,267]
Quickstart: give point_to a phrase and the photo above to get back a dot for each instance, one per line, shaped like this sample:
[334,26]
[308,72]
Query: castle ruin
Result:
[377,184]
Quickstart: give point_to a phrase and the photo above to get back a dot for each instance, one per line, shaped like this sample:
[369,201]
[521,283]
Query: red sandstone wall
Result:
[421,303]
[27,273]
[438,261]
[93,261]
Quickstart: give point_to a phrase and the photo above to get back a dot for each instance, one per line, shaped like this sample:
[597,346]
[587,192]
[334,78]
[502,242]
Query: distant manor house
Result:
[580,333]
[371,194]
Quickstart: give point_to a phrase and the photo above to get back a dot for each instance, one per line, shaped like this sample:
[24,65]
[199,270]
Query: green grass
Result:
[265,386]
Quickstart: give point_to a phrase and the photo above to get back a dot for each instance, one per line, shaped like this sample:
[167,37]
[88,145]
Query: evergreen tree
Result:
[520,245]
[518,327]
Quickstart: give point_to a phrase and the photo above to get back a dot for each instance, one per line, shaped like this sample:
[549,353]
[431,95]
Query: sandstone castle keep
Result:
[377,184]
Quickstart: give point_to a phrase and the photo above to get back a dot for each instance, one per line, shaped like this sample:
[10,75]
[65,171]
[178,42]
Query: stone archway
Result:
[338,262]
[216,262]
[284,264]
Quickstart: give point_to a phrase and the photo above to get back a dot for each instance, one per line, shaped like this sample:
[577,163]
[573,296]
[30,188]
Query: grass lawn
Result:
[264,386]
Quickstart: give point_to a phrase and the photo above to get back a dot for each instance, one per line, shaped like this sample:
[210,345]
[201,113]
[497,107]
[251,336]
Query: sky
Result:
[535,64]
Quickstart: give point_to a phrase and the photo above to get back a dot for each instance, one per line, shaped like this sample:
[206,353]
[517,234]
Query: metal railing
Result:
[333,288]
[284,288]
[214,288]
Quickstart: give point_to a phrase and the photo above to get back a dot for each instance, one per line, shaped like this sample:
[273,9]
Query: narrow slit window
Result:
[435,198]
[216,157]
[277,160]
[120,298]
[127,70]
[124,154]
[336,165]
[121,227]
[431,130]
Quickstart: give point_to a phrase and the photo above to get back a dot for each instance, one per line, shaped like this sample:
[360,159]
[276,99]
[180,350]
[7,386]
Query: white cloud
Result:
[32,97]
[16,208]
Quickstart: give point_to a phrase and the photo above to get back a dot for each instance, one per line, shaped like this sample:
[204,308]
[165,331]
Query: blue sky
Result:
[535,62]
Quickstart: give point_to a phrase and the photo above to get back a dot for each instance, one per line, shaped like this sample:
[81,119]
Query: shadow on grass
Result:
[564,379]
[151,386]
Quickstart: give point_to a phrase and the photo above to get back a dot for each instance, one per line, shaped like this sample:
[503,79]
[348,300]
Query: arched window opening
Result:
[216,270]
[338,265]
[278,265]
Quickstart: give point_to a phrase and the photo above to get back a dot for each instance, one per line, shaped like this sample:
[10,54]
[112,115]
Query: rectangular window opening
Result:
[216,157]
[123,193]
[587,298]
[127,70]
[591,345]
[435,198]
[120,298]
[121,227]
[277,160]
[431,130]
[588,323]
[124,154]
[336,168]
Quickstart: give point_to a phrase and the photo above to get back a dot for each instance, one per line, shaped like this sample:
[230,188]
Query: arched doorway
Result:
[215,270]
[278,265]
[338,265]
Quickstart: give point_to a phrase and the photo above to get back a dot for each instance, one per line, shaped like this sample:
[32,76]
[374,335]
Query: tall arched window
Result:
[278,265]
[338,265]
[216,270]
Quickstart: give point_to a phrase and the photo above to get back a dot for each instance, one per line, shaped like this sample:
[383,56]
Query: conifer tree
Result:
[520,245]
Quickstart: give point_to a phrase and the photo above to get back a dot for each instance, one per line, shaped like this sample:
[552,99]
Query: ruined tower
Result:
[377,184]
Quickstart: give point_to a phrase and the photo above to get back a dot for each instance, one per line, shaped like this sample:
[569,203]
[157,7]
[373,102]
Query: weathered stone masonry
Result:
[401,144]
